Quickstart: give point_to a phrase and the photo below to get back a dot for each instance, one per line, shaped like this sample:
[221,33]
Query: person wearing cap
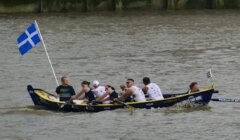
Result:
[99,91]
[110,95]
[64,91]
[152,89]
[89,95]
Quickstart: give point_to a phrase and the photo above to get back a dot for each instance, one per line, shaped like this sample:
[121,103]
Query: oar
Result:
[130,108]
[66,103]
[225,100]
[89,106]
[125,104]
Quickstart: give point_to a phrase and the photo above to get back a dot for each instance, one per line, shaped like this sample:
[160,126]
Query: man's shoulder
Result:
[154,84]
[60,86]
[68,86]
[101,87]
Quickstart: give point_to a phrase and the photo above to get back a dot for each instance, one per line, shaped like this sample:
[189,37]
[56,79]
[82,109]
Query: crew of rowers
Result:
[105,95]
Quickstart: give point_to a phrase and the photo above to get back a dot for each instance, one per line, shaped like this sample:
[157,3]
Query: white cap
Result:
[95,82]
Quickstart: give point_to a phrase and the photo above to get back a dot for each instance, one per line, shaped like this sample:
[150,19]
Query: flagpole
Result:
[45,48]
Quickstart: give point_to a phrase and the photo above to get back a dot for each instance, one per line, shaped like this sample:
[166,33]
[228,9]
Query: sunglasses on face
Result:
[127,83]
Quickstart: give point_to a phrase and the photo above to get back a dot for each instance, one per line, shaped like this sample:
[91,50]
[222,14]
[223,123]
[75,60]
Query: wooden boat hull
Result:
[42,98]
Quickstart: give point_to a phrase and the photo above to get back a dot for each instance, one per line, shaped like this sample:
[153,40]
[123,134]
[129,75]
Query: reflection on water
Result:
[174,48]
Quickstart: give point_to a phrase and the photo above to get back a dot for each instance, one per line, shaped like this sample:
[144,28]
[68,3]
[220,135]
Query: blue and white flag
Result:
[209,73]
[29,39]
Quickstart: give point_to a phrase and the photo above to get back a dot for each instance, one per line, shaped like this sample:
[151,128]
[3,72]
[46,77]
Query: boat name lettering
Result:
[107,108]
[149,104]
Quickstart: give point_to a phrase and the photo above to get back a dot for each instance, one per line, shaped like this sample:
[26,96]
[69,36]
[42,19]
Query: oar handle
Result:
[225,100]
[120,102]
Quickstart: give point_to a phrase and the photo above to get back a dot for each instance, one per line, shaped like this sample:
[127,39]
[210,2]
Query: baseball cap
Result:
[95,82]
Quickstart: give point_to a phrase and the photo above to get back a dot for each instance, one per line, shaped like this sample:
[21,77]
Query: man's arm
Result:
[101,99]
[77,96]
[72,91]
[127,94]
[56,94]
[145,90]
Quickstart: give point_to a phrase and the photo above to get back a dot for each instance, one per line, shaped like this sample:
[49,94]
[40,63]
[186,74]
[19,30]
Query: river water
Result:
[173,48]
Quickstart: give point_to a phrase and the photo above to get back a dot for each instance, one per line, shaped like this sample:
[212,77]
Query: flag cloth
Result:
[209,74]
[29,39]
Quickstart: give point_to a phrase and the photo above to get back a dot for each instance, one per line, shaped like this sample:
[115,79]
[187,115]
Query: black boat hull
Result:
[42,98]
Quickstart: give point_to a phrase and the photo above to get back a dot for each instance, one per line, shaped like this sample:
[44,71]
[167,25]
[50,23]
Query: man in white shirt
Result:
[152,90]
[134,91]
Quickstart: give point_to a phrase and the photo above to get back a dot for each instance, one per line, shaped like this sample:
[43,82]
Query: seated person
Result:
[123,93]
[99,90]
[152,89]
[88,94]
[64,91]
[110,94]
[134,91]
[193,87]
[123,89]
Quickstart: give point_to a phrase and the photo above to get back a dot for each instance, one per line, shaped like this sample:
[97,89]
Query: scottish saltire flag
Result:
[209,73]
[29,39]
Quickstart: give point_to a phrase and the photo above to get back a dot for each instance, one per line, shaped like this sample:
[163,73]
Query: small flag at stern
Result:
[209,73]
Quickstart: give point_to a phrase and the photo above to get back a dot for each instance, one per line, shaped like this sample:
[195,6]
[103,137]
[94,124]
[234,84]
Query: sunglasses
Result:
[128,83]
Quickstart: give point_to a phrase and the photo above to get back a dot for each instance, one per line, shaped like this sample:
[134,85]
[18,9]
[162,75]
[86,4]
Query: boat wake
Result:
[25,110]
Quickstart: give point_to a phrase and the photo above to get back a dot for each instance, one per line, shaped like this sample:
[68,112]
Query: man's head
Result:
[85,86]
[146,81]
[95,83]
[109,89]
[130,82]
[64,80]
[193,87]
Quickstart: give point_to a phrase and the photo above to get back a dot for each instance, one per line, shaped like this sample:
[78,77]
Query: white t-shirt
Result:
[154,92]
[99,92]
[138,94]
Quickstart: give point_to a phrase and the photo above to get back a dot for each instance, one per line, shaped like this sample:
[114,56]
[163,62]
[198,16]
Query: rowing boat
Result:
[47,100]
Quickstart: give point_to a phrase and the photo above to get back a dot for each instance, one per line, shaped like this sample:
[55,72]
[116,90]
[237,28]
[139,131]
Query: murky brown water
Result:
[173,48]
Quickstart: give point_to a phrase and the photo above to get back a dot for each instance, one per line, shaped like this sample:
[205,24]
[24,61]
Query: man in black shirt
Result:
[65,91]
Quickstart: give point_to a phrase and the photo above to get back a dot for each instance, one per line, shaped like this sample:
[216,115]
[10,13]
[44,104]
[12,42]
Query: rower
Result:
[99,90]
[193,87]
[86,93]
[152,89]
[64,91]
[110,95]
[135,91]
[123,93]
